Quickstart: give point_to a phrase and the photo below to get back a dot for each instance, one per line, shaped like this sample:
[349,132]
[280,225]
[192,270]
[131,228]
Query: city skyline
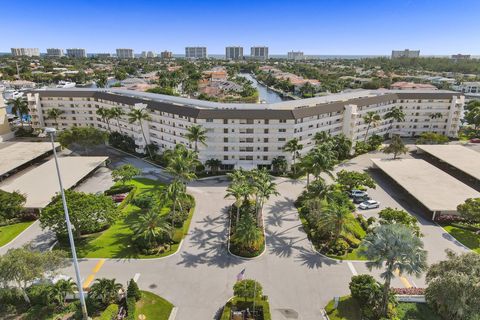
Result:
[364,29]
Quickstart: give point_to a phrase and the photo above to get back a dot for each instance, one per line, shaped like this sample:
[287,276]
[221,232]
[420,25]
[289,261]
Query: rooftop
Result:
[14,155]
[435,189]
[460,157]
[41,184]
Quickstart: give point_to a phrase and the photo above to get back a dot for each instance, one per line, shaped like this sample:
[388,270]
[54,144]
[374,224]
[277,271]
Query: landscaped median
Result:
[11,231]
[469,236]
[145,227]
[248,302]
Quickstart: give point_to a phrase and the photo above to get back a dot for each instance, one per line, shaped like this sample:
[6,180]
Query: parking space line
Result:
[91,277]
[136,276]
[352,268]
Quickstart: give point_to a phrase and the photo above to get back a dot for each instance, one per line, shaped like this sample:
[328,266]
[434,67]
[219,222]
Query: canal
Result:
[265,94]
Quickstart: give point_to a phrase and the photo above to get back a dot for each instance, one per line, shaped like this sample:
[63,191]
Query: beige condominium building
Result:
[251,135]
[25,52]
[5,132]
[124,53]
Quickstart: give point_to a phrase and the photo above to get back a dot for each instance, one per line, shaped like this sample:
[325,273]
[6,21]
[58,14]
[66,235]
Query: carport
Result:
[436,190]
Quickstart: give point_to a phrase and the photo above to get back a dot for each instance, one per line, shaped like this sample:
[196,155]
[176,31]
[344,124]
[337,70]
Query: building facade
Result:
[103,55]
[196,52]
[54,52]
[251,135]
[76,53]
[295,55]
[166,54]
[407,53]
[234,53]
[25,52]
[259,53]
[124,53]
[148,54]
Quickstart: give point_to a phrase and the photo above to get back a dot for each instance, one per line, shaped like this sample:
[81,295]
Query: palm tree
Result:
[237,176]
[106,115]
[264,187]
[321,137]
[197,134]
[150,226]
[140,115]
[322,159]
[342,146]
[371,118]
[306,165]
[246,232]
[64,288]
[337,218]
[396,147]
[398,249]
[240,191]
[102,80]
[395,114]
[182,166]
[279,165]
[117,112]
[175,192]
[54,113]
[293,146]
[19,107]
[105,290]
[213,164]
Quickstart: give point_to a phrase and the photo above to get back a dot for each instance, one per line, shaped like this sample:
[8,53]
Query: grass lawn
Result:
[467,237]
[415,311]
[354,255]
[116,241]
[8,233]
[153,307]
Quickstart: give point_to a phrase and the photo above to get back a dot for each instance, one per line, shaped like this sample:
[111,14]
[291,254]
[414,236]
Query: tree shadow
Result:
[281,245]
[312,259]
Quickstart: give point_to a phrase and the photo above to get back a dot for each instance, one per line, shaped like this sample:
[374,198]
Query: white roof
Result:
[41,184]
[435,189]
[14,155]
[460,157]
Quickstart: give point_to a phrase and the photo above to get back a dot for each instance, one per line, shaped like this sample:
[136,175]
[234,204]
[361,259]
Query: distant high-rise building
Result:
[76,53]
[27,52]
[234,53]
[54,52]
[259,53]
[295,55]
[196,52]
[125,53]
[166,54]
[103,55]
[148,54]
[405,53]
[461,56]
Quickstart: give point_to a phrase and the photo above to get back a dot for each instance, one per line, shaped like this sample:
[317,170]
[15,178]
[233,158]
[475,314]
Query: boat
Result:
[66,84]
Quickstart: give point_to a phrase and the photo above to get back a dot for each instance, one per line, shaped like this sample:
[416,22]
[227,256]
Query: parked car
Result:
[360,199]
[369,204]
[119,197]
[357,193]
[475,140]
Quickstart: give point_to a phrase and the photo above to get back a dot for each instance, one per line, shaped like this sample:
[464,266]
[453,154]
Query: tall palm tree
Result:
[371,118]
[321,137]
[322,159]
[293,146]
[182,166]
[54,113]
[150,226]
[246,232]
[64,288]
[140,115]
[279,165]
[237,175]
[342,146]
[116,113]
[105,114]
[213,164]
[197,134]
[265,188]
[238,190]
[176,193]
[19,107]
[398,249]
[395,114]
[337,218]
[105,290]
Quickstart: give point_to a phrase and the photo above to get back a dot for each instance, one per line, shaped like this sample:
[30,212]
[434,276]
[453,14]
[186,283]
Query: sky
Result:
[435,27]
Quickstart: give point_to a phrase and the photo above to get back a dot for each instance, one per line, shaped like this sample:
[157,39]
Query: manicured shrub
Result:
[131,305]
[368,293]
[133,291]
[363,222]
[110,313]
[118,189]
[144,201]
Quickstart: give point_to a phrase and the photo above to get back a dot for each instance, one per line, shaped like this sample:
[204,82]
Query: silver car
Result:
[369,204]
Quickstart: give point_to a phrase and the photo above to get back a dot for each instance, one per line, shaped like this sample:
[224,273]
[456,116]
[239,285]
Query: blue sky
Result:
[315,27]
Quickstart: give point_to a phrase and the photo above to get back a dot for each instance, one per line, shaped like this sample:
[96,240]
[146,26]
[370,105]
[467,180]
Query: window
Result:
[281,139]
[209,120]
[282,130]
[225,149]
[282,121]
[265,131]
[225,139]
[225,157]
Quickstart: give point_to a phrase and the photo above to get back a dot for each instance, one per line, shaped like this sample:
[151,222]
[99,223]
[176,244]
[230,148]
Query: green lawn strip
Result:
[415,311]
[116,241]
[354,255]
[241,303]
[9,232]
[465,236]
[153,307]
[348,309]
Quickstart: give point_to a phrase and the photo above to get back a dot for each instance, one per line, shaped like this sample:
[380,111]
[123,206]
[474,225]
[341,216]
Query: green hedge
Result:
[131,305]
[116,189]
[240,303]
[110,313]
[127,199]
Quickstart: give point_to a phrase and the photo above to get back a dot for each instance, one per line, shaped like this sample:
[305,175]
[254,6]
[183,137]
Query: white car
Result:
[358,193]
[369,204]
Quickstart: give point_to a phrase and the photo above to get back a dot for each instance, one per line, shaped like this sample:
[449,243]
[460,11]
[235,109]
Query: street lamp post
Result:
[51,132]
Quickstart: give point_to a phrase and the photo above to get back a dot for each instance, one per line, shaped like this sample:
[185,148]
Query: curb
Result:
[212,177]
[461,244]
[21,233]
[173,313]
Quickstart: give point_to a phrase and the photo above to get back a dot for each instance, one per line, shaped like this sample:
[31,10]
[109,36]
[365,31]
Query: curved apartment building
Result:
[249,135]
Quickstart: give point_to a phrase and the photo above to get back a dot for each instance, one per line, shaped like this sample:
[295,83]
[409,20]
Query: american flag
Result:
[241,275]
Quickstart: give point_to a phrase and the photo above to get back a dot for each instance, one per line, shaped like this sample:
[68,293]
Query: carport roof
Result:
[41,184]
[460,157]
[14,155]
[435,189]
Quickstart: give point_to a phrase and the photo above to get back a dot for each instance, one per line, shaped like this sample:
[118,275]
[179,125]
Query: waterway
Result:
[265,94]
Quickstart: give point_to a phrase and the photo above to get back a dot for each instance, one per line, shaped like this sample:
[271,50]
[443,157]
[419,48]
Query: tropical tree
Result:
[392,216]
[125,173]
[351,180]
[321,137]
[342,146]
[240,191]
[197,134]
[237,176]
[336,218]
[86,137]
[372,119]
[11,204]
[181,164]
[54,113]
[105,290]
[117,113]
[101,80]
[247,234]
[472,116]
[247,289]
[139,115]
[396,147]
[150,226]
[293,146]
[470,210]
[63,287]
[19,107]
[321,160]
[264,188]
[396,248]
[106,115]
[395,114]
[176,192]
[279,165]
[213,164]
